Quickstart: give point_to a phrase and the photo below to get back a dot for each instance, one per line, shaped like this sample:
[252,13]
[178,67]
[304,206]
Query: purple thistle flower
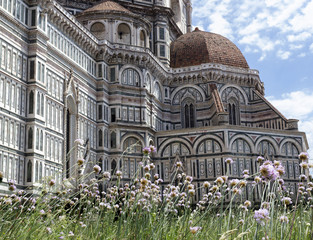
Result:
[303,156]
[152,148]
[268,172]
[146,151]
[261,216]
[97,169]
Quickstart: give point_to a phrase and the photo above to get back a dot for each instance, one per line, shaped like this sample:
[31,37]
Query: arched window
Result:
[266,149]
[30,138]
[130,77]
[40,172]
[148,83]
[31,103]
[124,34]
[42,105]
[157,91]
[37,139]
[234,112]
[133,145]
[289,149]
[188,114]
[98,30]
[113,167]
[142,39]
[38,103]
[100,138]
[29,171]
[113,140]
[36,172]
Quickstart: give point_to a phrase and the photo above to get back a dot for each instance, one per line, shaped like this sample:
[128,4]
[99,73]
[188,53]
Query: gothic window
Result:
[130,77]
[265,148]
[209,146]
[36,172]
[289,149]
[100,111]
[31,103]
[132,145]
[98,30]
[29,171]
[142,39]
[41,141]
[37,139]
[113,115]
[240,146]
[42,105]
[100,163]
[172,149]
[113,140]
[40,171]
[30,138]
[124,34]
[188,112]
[148,83]
[157,91]
[100,138]
[113,167]
[38,103]
[234,112]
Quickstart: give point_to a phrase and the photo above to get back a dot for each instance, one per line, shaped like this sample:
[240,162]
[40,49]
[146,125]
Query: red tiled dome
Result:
[199,47]
[107,6]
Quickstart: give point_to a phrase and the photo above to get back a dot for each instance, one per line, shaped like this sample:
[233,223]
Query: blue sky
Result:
[276,37]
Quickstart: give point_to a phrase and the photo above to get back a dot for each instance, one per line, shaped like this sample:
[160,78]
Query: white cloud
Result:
[283,54]
[311,47]
[299,37]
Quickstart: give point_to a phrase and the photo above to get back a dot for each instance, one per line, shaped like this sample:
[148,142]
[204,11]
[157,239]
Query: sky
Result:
[276,38]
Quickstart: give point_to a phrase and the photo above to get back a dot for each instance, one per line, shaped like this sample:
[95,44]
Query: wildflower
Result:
[189,179]
[241,221]
[219,181]
[236,191]
[179,164]
[302,177]
[49,230]
[242,183]
[106,175]
[192,192]
[80,161]
[284,219]
[152,148]
[144,181]
[225,178]
[79,141]
[268,171]
[303,156]
[281,181]
[12,187]
[42,212]
[118,173]
[70,234]
[286,201]
[281,170]
[97,169]
[260,159]
[214,188]
[257,179]
[304,165]
[51,182]
[146,151]
[206,184]
[265,205]
[261,216]
[247,203]
[233,182]
[245,172]
[194,230]
[152,166]
[229,160]
[156,176]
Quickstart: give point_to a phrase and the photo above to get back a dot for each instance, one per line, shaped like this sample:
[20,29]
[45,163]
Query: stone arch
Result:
[247,139]
[142,38]
[297,145]
[177,90]
[215,146]
[127,66]
[175,140]
[245,98]
[157,90]
[124,34]
[133,135]
[251,147]
[203,138]
[148,82]
[98,29]
[268,139]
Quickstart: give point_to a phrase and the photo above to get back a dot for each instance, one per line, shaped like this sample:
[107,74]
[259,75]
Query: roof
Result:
[200,47]
[107,5]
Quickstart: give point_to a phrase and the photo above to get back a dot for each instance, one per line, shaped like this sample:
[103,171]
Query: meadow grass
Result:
[139,210]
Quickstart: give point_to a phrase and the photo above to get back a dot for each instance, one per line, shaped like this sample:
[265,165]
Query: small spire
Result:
[197,29]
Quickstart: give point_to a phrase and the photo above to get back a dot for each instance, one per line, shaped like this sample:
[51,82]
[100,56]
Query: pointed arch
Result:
[31,102]
[30,138]
[29,171]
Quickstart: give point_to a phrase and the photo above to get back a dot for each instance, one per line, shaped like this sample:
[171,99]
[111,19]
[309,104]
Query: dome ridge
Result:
[107,5]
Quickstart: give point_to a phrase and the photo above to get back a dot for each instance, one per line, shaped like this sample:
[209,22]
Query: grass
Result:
[139,210]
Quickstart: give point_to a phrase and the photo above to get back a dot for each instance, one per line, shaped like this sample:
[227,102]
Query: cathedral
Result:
[119,73]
